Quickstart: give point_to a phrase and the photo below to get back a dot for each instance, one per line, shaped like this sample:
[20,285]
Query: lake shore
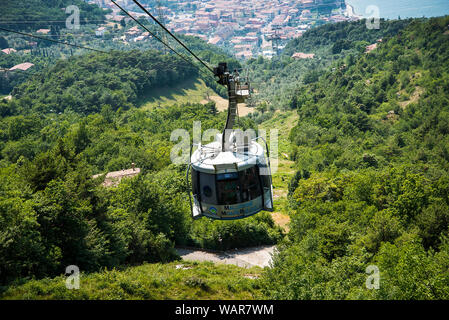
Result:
[392,10]
[350,12]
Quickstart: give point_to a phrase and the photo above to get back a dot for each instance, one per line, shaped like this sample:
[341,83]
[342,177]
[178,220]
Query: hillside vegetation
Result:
[87,83]
[38,13]
[371,188]
[53,141]
[176,280]
[368,157]
[277,79]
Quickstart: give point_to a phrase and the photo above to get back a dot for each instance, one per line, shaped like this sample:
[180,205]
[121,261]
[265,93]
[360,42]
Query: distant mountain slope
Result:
[396,95]
[370,196]
[342,36]
[117,79]
[276,79]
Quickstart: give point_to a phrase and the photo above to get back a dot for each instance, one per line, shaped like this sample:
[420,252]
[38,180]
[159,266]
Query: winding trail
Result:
[247,258]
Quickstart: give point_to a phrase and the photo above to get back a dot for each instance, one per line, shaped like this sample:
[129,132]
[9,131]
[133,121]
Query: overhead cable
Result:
[52,40]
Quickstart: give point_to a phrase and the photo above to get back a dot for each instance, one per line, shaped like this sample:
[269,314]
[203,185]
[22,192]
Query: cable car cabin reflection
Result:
[238,191]
[238,187]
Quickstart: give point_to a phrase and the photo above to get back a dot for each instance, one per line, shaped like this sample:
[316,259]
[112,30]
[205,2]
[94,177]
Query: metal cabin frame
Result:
[260,183]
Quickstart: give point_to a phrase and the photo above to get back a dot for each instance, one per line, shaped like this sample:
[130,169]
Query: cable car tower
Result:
[161,16]
[275,39]
[231,177]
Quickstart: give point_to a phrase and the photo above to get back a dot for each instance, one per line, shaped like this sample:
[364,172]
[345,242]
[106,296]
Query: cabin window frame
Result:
[252,194]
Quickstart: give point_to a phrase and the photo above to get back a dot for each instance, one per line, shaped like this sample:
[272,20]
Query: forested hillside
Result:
[277,79]
[333,38]
[372,158]
[370,145]
[10,80]
[86,83]
[60,129]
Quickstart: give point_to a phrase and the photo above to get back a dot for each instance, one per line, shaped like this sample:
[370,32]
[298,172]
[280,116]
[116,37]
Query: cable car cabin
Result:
[232,184]
[231,177]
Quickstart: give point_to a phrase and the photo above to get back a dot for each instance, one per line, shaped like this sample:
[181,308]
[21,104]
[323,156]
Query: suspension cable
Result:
[156,37]
[173,36]
[52,40]
[49,22]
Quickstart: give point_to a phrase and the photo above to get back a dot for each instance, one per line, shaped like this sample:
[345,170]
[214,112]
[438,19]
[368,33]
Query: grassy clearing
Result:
[191,91]
[177,280]
[284,122]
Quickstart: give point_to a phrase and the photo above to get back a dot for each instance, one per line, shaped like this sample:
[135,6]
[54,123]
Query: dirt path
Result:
[282,220]
[249,257]
[284,122]
[414,97]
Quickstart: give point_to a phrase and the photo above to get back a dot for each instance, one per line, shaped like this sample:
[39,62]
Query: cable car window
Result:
[227,176]
[268,200]
[207,187]
[228,189]
[266,182]
[250,184]
[207,191]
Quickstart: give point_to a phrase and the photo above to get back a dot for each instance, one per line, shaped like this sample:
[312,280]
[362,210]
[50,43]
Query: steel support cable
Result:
[156,37]
[173,36]
[44,21]
[52,40]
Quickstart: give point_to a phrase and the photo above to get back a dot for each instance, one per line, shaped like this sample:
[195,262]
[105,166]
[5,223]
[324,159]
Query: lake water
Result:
[391,9]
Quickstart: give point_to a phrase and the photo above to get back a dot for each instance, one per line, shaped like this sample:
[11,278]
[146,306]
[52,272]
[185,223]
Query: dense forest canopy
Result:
[372,154]
[86,83]
[79,118]
[370,150]
[276,79]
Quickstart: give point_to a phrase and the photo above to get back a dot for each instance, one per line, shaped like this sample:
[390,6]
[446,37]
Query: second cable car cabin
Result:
[231,177]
